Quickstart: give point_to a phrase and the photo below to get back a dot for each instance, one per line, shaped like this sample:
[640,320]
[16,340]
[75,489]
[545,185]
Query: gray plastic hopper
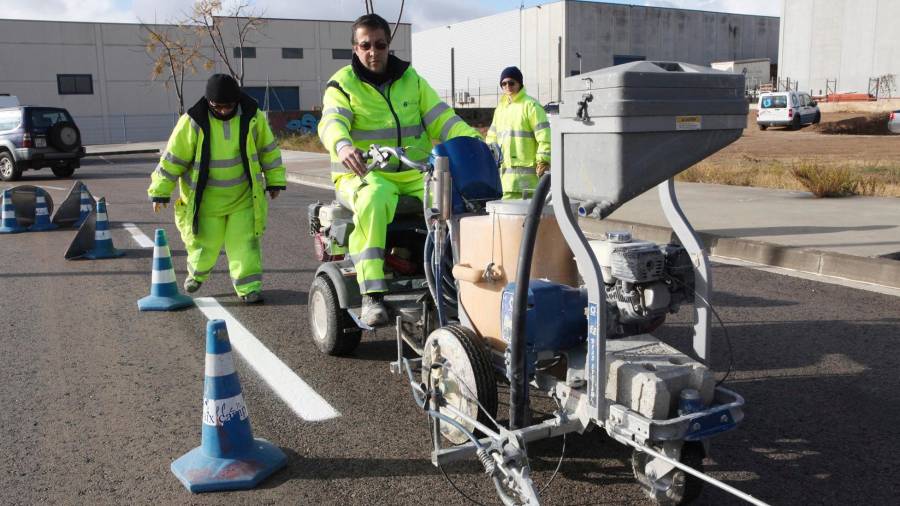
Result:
[633,126]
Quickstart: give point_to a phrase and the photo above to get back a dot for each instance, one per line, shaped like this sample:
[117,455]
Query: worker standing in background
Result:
[226,158]
[521,129]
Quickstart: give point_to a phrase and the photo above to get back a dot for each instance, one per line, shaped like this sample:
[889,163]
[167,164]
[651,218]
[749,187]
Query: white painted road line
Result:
[55,188]
[307,182]
[302,399]
[138,235]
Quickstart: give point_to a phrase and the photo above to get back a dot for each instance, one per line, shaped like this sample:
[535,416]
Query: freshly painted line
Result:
[139,237]
[307,182]
[55,188]
[302,399]
[831,280]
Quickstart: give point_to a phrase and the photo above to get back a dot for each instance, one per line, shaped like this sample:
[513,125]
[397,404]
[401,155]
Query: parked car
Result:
[33,137]
[792,109]
[894,122]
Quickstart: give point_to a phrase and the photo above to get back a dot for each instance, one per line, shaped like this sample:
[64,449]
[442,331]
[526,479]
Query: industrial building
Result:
[829,46]
[101,72]
[556,40]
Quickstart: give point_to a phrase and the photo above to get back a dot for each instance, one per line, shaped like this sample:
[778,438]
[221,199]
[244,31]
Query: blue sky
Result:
[422,13]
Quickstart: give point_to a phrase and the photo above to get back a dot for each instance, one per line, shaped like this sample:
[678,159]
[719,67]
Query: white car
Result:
[786,108]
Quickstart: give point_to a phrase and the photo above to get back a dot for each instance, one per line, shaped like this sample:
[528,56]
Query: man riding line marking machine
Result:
[521,129]
[379,99]
[226,158]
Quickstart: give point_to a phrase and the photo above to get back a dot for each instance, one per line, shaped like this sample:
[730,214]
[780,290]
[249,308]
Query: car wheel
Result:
[817,118]
[8,170]
[64,171]
[64,136]
[795,123]
[763,127]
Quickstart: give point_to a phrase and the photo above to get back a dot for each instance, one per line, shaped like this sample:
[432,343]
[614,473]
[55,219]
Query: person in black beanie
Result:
[225,157]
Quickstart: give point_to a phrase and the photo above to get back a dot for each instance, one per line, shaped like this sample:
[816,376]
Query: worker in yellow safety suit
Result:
[379,99]
[521,129]
[225,158]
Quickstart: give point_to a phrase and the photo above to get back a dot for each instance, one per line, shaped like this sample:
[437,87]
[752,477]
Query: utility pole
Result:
[452,79]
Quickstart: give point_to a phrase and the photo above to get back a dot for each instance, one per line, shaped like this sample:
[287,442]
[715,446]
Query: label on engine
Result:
[687,122]
[593,366]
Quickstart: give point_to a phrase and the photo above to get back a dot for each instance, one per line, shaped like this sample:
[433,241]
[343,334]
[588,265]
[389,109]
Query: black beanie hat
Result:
[512,72]
[222,89]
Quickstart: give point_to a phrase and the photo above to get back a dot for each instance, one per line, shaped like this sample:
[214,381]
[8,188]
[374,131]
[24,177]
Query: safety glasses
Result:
[379,45]
[507,83]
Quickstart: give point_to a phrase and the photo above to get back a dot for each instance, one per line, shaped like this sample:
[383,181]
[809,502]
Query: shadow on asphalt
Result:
[275,297]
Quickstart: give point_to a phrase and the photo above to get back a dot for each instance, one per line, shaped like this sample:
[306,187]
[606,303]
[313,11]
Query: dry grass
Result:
[307,142]
[819,178]
[872,124]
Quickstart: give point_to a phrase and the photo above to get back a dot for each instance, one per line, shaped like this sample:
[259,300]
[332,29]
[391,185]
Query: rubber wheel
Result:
[470,377]
[676,487]
[333,330]
[795,123]
[64,171]
[8,170]
[817,118]
[763,127]
[64,136]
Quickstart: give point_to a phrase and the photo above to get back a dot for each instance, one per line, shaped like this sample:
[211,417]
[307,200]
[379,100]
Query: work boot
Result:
[252,298]
[373,311]
[191,285]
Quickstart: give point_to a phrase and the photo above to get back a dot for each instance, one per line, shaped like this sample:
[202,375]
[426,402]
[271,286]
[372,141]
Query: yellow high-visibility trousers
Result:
[374,201]
[518,182]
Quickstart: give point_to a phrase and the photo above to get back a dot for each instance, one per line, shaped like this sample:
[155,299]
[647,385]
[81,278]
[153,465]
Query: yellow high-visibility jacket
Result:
[190,153]
[521,129]
[405,111]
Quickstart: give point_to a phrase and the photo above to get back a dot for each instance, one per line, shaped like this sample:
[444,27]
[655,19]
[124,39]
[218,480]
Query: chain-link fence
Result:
[489,96]
[124,128]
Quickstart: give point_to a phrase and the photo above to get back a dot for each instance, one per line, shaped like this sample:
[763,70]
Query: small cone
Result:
[228,458]
[103,245]
[85,206]
[41,214]
[164,295]
[9,225]
[74,210]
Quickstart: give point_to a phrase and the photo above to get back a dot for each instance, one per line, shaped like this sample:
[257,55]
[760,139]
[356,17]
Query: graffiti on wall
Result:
[294,122]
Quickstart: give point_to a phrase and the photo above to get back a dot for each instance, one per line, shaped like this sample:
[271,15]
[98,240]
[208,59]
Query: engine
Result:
[644,281]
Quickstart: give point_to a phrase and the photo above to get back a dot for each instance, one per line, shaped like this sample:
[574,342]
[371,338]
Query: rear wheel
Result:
[333,331]
[8,170]
[817,118]
[795,123]
[763,127]
[675,487]
[63,171]
[64,136]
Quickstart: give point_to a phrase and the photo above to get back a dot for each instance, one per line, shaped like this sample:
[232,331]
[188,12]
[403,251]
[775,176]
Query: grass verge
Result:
[302,142]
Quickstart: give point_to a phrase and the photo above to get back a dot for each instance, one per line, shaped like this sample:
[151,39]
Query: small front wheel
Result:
[675,487]
[333,331]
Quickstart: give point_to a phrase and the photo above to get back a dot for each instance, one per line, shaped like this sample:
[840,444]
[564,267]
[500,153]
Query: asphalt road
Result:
[98,398]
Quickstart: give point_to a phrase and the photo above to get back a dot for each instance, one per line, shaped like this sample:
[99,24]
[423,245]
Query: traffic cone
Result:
[41,214]
[164,295]
[74,210]
[9,225]
[228,458]
[103,245]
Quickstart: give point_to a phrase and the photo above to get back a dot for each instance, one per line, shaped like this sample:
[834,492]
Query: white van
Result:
[9,101]
[786,108]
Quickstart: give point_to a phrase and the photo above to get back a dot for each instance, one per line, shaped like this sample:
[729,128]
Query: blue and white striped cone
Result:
[41,214]
[9,225]
[164,295]
[85,207]
[228,458]
[103,245]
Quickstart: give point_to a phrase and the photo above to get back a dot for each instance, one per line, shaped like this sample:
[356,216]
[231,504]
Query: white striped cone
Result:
[41,214]
[9,225]
[164,294]
[85,207]
[103,245]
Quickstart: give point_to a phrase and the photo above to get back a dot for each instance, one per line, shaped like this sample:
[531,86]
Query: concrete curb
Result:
[123,152]
[879,271]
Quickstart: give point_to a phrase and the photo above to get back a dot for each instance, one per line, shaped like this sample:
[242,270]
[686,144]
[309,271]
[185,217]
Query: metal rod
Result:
[690,470]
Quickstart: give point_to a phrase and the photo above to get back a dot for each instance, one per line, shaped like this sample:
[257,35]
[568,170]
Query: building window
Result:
[248,52]
[278,98]
[341,54]
[292,53]
[619,59]
[573,72]
[75,84]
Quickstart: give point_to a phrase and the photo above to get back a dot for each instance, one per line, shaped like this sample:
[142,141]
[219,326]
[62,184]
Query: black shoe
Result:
[252,298]
[373,312]
[191,285]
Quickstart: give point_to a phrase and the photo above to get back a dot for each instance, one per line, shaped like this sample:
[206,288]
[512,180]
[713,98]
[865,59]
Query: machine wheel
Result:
[8,170]
[64,171]
[333,331]
[763,127]
[469,376]
[676,487]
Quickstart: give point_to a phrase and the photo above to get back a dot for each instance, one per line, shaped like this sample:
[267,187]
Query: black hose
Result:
[518,385]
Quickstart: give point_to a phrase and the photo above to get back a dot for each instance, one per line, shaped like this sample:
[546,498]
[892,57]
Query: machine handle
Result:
[468,273]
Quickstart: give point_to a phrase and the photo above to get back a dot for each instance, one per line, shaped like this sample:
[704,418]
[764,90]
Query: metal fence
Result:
[124,128]
[489,96]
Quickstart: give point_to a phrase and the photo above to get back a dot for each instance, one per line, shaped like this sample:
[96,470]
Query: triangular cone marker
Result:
[75,209]
[103,245]
[9,225]
[84,239]
[41,214]
[228,458]
[164,295]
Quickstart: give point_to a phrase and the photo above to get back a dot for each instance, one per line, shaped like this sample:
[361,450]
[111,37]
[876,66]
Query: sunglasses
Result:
[366,45]
[507,84]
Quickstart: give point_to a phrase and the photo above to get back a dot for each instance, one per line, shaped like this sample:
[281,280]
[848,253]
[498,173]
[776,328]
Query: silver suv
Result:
[34,137]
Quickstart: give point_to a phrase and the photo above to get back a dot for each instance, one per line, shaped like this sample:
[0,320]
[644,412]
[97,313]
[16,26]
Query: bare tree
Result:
[209,17]
[175,51]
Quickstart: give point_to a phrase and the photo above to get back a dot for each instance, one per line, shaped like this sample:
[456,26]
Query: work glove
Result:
[541,168]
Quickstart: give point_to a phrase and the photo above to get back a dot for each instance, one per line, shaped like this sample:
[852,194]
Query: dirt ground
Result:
[785,145]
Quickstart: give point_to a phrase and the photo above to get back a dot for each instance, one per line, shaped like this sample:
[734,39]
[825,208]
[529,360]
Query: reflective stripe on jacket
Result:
[521,129]
[190,159]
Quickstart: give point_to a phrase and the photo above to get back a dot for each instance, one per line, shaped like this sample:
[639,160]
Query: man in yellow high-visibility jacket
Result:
[379,99]
[521,129]
[226,158]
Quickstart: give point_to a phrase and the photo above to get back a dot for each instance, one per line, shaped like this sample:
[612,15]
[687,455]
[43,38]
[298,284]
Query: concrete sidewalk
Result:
[856,238]
[131,148]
